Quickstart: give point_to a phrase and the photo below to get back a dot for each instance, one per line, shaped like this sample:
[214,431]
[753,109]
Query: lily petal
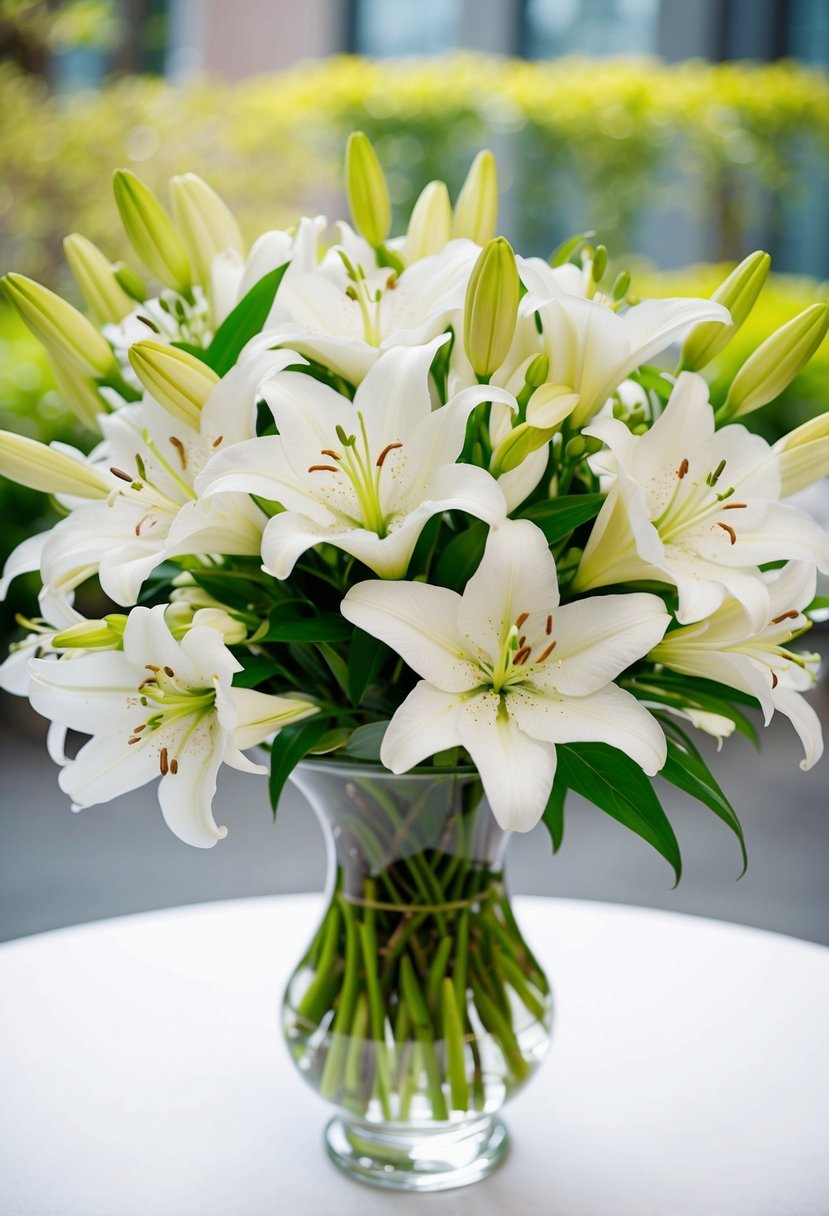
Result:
[426,723]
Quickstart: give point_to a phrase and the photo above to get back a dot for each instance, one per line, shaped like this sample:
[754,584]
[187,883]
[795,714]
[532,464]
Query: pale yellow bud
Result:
[738,293]
[41,467]
[476,211]
[79,393]
[776,362]
[550,404]
[804,454]
[64,331]
[491,308]
[178,381]
[366,190]
[151,232]
[205,223]
[105,634]
[95,276]
[430,227]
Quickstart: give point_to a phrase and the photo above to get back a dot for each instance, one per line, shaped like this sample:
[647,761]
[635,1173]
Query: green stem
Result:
[368,939]
[344,1017]
[422,1023]
[453,1042]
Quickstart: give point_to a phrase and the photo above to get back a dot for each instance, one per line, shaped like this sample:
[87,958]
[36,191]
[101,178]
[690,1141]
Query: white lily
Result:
[160,707]
[348,311]
[14,670]
[695,507]
[591,347]
[507,673]
[724,648]
[364,476]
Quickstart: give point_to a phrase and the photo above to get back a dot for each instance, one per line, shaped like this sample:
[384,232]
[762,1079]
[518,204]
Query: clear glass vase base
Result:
[420,1160]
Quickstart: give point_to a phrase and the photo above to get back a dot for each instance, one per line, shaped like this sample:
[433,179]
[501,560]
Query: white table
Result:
[142,1073]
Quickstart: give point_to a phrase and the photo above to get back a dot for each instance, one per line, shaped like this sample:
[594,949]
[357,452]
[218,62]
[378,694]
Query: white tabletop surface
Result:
[142,1073]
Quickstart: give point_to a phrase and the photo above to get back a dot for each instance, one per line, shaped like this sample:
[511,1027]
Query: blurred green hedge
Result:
[581,143]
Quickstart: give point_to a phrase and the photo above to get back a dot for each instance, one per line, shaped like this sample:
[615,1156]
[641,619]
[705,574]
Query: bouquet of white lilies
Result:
[410,501]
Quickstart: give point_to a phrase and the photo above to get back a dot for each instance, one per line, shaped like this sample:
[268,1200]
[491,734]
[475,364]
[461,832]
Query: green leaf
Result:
[245,321]
[366,655]
[257,670]
[689,772]
[558,517]
[366,741]
[613,782]
[292,627]
[198,352]
[461,557]
[686,692]
[554,812]
[290,745]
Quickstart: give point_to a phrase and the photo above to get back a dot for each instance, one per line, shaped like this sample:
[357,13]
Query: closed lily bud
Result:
[105,634]
[131,281]
[366,190]
[804,455]
[550,404]
[517,445]
[79,393]
[476,211]
[491,308]
[95,275]
[41,467]
[151,232]
[178,381]
[430,227]
[205,224]
[63,330]
[776,362]
[738,293]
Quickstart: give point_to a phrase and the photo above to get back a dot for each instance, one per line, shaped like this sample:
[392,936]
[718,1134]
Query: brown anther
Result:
[388,448]
[216,442]
[140,524]
[174,766]
[134,739]
[330,452]
[522,640]
[683,468]
[792,614]
[162,761]
[548,628]
[521,656]
[168,671]
[144,683]
[521,619]
[734,506]
[179,446]
[391,282]
[322,468]
[545,654]
[136,730]
[152,667]
[732,535]
[774,679]
[120,473]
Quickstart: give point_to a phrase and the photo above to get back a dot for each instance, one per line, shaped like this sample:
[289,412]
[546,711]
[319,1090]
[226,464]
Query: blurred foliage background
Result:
[622,146]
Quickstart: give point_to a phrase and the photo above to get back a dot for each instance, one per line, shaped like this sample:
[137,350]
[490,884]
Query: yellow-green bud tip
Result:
[491,308]
[366,190]
[476,211]
[151,232]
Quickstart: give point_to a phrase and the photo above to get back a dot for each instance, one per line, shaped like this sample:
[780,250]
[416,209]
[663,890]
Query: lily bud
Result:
[517,445]
[205,223]
[106,634]
[41,467]
[131,281]
[550,404]
[366,190]
[804,455]
[476,211]
[63,330]
[430,227]
[738,293]
[151,232]
[79,393]
[599,263]
[776,362]
[537,371]
[178,381]
[95,276]
[491,308]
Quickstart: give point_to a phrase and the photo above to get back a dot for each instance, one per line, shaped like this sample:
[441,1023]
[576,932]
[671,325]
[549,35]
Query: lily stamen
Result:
[388,448]
[162,761]
[545,654]
[731,533]
[792,615]
[521,619]
[180,448]
[683,468]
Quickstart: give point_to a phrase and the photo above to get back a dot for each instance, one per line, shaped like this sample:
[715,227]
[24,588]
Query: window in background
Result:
[809,32]
[387,28]
[590,27]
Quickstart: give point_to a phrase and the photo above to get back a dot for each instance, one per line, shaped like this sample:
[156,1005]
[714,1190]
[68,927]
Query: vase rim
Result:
[375,769]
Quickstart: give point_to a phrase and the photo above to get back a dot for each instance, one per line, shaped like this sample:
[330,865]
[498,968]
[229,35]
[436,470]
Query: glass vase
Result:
[418,1009]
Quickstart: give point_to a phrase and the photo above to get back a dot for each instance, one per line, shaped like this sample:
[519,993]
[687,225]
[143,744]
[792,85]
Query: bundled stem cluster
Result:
[418,996]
